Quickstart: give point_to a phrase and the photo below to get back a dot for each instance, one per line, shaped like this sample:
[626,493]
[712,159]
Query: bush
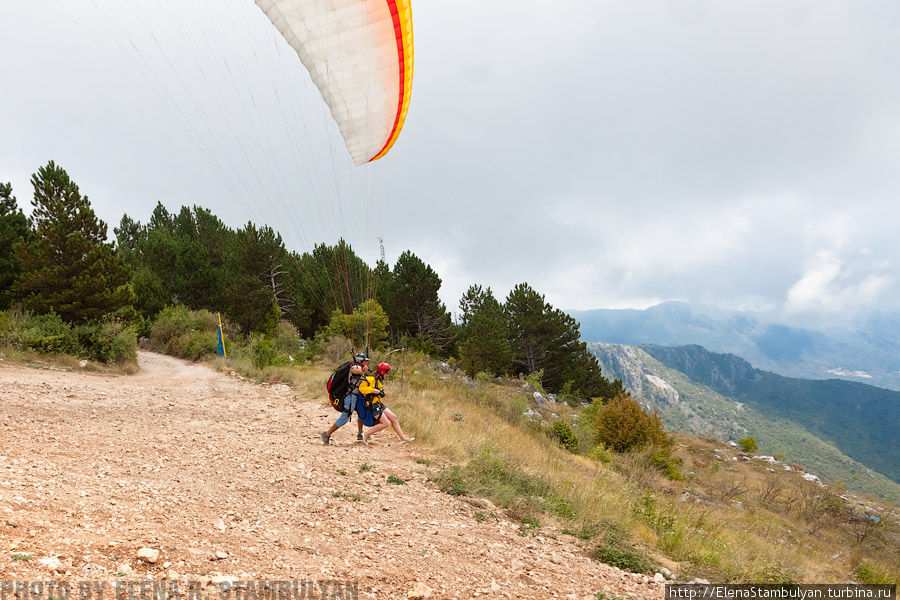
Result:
[287,340]
[264,353]
[46,334]
[106,342]
[748,444]
[491,477]
[109,342]
[623,425]
[367,325]
[868,574]
[534,380]
[183,333]
[562,432]
[614,552]
[662,459]
[601,453]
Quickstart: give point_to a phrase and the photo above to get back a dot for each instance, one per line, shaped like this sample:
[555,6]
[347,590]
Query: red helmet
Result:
[382,369]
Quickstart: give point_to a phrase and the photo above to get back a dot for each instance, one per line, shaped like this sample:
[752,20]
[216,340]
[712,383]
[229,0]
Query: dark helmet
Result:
[382,369]
[359,358]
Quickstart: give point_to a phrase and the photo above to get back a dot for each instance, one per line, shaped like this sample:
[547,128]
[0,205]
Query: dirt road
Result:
[224,478]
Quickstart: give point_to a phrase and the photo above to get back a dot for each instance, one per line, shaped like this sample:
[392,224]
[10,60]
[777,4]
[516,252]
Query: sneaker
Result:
[325,438]
[365,439]
[359,437]
[407,440]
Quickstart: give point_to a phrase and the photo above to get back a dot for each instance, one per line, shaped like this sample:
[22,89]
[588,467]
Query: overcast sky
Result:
[612,154]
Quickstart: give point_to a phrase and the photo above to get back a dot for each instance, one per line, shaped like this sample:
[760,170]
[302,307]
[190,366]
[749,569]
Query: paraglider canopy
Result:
[359,54]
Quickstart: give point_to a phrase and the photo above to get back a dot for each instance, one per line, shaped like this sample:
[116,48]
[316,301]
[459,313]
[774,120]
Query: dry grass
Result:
[728,521]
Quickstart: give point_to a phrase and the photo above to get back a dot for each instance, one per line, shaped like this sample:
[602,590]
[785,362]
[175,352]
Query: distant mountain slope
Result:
[690,406]
[861,420]
[869,354]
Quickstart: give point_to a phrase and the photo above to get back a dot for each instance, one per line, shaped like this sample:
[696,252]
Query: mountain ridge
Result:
[868,352]
[712,400]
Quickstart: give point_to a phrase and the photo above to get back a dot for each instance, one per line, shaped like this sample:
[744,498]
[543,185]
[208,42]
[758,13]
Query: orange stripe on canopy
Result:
[401,14]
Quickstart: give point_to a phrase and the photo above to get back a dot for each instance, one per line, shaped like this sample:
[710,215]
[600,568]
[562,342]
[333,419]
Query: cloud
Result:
[830,287]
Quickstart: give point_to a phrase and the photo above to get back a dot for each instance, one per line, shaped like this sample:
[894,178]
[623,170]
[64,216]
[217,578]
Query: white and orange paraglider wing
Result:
[359,54]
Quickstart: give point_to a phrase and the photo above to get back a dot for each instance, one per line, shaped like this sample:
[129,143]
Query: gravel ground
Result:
[218,479]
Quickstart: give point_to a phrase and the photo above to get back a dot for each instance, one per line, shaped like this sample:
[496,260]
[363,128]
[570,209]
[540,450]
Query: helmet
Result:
[360,357]
[382,369]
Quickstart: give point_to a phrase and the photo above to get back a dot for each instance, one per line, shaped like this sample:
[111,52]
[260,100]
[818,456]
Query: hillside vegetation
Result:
[707,511]
[694,408]
[860,420]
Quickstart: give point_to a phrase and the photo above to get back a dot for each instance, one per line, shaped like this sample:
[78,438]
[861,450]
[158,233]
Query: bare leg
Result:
[375,428]
[395,423]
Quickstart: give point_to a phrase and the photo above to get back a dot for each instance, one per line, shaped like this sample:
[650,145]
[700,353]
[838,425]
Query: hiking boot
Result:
[359,437]
[325,438]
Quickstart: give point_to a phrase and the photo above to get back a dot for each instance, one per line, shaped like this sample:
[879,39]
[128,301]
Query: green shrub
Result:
[287,340]
[662,459]
[534,380]
[868,574]
[562,433]
[453,481]
[184,333]
[748,444]
[106,342]
[109,342]
[615,552]
[602,454]
[489,476]
[623,425]
[47,334]
[264,353]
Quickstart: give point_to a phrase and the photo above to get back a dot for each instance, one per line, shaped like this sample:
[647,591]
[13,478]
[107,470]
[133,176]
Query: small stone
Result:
[419,592]
[220,525]
[148,555]
[221,555]
[659,577]
[51,562]
[125,569]
[171,574]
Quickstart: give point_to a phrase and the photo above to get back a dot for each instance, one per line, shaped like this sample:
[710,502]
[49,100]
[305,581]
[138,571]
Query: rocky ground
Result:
[181,473]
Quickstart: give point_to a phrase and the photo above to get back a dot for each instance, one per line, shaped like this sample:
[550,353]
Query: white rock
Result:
[419,592]
[220,525]
[221,555]
[51,562]
[148,555]
[659,577]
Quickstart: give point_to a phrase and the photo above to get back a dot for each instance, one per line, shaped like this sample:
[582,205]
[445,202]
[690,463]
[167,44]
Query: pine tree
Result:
[413,306]
[13,229]
[484,332]
[257,282]
[547,339]
[68,267]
